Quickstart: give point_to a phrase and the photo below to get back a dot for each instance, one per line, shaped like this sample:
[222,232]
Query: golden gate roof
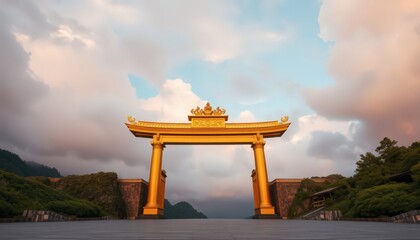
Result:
[208,126]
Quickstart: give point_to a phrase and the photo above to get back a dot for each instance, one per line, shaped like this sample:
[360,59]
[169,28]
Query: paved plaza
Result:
[209,229]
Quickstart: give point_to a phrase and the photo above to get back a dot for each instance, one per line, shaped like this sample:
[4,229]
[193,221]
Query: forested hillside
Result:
[11,162]
[100,188]
[19,193]
[90,195]
[385,183]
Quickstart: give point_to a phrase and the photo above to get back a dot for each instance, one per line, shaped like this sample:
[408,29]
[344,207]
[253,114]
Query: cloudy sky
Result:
[345,72]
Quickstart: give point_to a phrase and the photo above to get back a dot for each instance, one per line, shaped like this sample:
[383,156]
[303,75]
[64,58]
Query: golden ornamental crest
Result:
[208,111]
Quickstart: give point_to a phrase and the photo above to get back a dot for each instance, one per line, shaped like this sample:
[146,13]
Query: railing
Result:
[319,203]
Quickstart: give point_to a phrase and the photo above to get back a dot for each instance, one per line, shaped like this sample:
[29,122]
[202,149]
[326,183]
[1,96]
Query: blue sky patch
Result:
[143,88]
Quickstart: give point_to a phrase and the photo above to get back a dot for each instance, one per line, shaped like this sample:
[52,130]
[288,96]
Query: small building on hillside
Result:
[401,177]
[318,199]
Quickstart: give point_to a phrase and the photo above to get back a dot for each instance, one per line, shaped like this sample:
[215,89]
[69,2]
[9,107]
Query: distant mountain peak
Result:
[181,210]
[11,162]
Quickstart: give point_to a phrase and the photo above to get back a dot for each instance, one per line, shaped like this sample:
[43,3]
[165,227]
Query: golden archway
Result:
[207,126]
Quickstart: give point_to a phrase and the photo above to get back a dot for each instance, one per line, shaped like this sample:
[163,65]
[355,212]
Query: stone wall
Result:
[408,217]
[331,215]
[49,216]
[134,193]
[43,216]
[412,216]
[283,192]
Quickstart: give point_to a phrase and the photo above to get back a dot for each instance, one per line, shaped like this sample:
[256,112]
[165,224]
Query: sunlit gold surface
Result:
[255,190]
[208,111]
[203,122]
[153,207]
[265,206]
[208,126]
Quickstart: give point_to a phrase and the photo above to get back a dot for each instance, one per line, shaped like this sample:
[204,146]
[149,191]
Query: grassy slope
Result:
[18,193]
[100,188]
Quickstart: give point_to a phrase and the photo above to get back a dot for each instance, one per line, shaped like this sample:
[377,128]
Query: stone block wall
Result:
[332,215]
[134,193]
[283,192]
[43,216]
[412,216]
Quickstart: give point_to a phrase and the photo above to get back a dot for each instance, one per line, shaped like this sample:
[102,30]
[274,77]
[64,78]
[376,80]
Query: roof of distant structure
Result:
[402,177]
[329,190]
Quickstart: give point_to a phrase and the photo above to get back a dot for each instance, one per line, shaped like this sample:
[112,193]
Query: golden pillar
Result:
[162,185]
[255,190]
[153,206]
[265,207]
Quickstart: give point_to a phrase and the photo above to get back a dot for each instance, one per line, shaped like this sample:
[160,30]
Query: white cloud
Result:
[174,101]
[374,60]
[117,11]
[221,41]
[203,29]
[308,124]
[66,34]
[246,116]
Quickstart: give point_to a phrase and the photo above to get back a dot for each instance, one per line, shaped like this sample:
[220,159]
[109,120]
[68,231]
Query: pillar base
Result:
[153,211]
[141,217]
[265,211]
[275,216]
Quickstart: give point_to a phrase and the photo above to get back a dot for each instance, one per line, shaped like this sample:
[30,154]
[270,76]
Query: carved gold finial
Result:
[219,111]
[197,111]
[208,110]
[284,119]
[131,120]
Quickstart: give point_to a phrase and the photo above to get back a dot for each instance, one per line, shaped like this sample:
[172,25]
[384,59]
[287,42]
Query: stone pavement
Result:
[209,229]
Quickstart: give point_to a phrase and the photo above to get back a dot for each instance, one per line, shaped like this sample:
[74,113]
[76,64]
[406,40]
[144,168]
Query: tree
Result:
[410,157]
[385,200]
[387,148]
[368,171]
[415,173]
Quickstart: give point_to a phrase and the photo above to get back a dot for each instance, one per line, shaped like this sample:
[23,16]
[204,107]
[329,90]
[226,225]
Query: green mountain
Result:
[19,193]
[385,183]
[181,210]
[11,162]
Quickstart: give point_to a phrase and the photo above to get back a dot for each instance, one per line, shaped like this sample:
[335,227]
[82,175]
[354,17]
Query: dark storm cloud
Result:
[19,89]
[329,145]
